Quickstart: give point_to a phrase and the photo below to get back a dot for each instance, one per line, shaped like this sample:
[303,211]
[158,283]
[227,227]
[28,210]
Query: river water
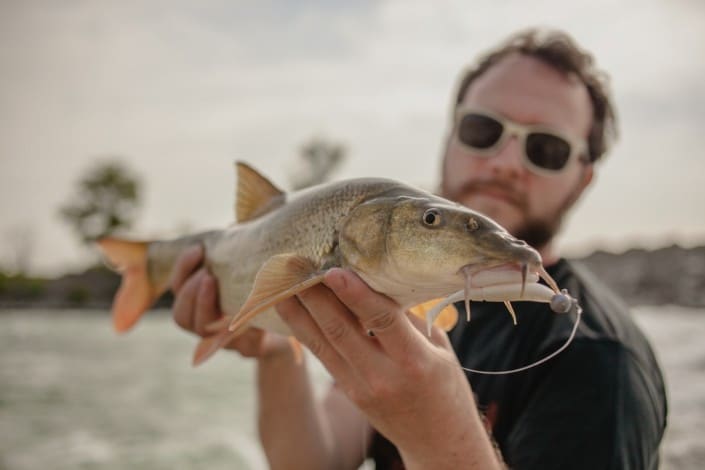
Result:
[75,395]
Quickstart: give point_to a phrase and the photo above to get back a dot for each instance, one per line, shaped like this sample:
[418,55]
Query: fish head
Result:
[415,248]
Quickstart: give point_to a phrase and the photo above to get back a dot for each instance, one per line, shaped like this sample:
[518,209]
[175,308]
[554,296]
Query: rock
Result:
[670,275]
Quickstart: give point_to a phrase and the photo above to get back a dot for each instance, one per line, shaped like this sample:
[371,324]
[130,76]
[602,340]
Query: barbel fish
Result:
[411,245]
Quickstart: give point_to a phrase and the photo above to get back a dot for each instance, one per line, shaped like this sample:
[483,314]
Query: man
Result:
[530,122]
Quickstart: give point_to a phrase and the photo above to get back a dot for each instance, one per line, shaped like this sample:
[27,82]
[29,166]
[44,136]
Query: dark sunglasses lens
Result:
[547,151]
[479,131]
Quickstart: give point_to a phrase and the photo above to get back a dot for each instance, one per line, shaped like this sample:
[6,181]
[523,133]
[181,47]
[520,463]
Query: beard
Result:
[538,233]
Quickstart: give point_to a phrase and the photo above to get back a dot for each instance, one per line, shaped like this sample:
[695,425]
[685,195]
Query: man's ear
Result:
[583,183]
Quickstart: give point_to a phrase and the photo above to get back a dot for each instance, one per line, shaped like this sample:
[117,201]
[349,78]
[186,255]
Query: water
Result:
[677,336]
[73,395]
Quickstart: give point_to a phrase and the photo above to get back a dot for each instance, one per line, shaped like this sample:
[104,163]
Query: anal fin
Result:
[211,344]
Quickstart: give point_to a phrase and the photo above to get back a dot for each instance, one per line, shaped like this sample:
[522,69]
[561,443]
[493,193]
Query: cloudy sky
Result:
[181,89]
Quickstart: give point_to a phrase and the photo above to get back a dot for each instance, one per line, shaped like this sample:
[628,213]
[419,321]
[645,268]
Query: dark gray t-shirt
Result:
[601,403]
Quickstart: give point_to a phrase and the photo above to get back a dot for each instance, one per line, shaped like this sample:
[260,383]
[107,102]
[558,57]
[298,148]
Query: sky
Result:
[179,90]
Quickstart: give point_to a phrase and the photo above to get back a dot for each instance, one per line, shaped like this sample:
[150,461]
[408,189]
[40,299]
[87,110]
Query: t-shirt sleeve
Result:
[593,407]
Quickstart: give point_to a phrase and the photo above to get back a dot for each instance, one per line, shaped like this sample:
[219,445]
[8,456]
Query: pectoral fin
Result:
[280,277]
[445,320]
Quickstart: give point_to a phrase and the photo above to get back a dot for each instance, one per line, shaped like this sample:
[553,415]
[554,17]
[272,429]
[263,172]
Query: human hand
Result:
[411,389]
[196,308]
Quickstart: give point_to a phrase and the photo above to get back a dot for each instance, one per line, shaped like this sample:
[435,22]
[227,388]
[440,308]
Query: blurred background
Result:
[127,116]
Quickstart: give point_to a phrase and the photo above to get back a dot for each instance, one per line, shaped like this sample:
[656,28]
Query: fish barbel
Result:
[406,243]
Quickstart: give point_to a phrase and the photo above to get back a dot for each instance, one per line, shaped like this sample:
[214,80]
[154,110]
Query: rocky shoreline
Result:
[671,275]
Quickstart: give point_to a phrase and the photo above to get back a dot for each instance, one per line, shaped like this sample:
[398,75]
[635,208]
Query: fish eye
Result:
[472,224]
[432,217]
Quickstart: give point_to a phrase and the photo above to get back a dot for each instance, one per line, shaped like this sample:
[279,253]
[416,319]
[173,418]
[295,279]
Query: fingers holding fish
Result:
[331,317]
[396,378]
[184,308]
[196,309]
[185,282]
[187,263]
[376,312]
[360,367]
[342,328]
[206,305]
[307,331]
[255,342]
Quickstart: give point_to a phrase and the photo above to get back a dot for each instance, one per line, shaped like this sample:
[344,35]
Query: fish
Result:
[409,244]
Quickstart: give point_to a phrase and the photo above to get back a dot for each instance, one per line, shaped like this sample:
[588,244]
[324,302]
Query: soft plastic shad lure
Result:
[561,302]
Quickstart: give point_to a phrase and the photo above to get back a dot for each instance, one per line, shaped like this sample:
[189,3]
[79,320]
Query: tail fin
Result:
[136,293]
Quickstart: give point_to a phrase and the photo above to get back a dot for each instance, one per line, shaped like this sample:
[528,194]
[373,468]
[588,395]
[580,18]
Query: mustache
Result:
[515,197]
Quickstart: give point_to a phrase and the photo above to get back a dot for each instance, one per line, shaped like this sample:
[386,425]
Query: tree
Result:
[106,200]
[318,158]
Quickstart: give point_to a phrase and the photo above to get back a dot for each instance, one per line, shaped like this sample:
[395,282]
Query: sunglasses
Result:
[546,151]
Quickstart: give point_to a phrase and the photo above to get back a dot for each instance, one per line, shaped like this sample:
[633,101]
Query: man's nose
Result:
[508,160]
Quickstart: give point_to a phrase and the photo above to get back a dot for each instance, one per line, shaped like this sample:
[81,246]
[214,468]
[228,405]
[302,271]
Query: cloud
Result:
[182,88]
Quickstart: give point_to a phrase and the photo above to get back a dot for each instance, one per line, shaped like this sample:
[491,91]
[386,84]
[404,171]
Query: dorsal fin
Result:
[256,195]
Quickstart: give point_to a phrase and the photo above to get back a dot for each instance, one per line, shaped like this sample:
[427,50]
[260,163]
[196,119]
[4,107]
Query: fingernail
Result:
[194,250]
[283,308]
[335,279]
[207,284]
[200,275]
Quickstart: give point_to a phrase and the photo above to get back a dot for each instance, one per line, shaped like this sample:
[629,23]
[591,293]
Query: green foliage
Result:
[78,295]
[21,287]
[106,200]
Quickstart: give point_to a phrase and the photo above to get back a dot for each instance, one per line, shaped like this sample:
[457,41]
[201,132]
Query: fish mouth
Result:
[506,274]
[504,282]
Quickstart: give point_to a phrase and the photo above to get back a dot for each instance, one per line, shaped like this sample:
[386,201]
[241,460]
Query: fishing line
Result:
[560,303]
[579,312]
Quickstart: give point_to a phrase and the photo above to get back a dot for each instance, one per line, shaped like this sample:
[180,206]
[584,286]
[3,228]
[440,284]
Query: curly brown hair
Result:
[560,51]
